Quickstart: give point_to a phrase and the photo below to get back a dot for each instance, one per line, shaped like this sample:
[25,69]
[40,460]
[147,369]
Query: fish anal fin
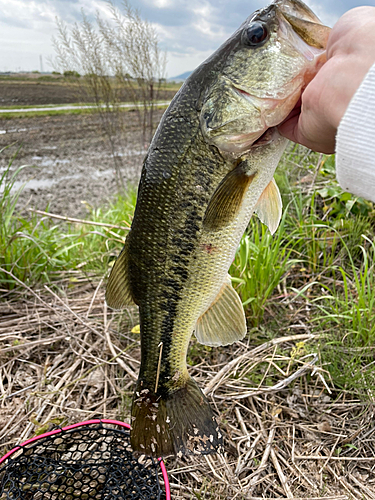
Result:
[227,199]
[178,423]
[118,293]
[269,207]
[224,321]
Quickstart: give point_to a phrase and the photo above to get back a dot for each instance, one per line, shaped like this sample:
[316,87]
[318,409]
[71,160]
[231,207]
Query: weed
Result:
[260,264]
[33,249]
[347,311]
[322,257]
[20,245]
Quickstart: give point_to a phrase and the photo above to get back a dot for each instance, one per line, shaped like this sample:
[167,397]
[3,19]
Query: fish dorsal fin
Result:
[118,293]
[224,321]
[269,206]
[227,199]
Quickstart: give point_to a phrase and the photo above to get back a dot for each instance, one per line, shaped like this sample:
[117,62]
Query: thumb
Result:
[315,138]
[289,128]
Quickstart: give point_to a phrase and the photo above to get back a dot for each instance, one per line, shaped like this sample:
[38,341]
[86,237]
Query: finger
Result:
[289,128]
[293,129]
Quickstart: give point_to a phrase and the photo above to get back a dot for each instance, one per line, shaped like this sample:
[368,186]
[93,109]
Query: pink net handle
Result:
[89,422]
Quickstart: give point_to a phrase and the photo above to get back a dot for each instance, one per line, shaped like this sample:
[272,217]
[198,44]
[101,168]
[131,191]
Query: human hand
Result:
[350,55]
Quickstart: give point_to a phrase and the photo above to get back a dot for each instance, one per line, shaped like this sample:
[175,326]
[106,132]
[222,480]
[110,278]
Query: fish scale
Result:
[209,167]
[178,228]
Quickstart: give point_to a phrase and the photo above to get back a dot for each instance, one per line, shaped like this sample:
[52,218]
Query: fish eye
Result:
[255,34]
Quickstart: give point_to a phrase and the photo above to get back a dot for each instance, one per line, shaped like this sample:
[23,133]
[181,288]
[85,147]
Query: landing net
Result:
[88,461]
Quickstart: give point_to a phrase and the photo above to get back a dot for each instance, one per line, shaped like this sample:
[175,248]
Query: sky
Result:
[189,30]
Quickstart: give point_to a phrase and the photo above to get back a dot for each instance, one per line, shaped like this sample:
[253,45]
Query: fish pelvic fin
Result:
[118,294]
[269,207]
[179,423]
[224,321]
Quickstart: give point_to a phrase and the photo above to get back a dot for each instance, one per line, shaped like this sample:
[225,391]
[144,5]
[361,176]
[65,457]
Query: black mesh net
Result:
[86,463]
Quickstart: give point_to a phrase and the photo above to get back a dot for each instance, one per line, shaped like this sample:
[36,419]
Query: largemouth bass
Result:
[209,167]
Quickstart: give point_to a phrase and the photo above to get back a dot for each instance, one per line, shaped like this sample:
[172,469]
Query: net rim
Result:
[88,423]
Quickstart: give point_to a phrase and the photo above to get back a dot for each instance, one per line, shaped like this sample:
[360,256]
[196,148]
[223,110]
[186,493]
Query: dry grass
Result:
[288,433]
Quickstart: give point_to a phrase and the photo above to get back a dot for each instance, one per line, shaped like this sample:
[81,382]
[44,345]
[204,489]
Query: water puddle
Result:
[103,173]
[133,152]
[37,184]
[45,161]
[13,130]
[33,184]
[49,178]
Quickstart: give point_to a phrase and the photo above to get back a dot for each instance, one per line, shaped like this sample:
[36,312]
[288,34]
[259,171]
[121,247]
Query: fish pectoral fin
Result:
[227,199]
[224,321]
[269,207]
[118,293]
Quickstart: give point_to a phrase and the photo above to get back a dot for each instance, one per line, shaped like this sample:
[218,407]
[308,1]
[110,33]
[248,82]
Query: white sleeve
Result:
[355,142]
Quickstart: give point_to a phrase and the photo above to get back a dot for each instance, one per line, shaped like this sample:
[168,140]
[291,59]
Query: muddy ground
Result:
[33,92]
[70,160]
[69,157]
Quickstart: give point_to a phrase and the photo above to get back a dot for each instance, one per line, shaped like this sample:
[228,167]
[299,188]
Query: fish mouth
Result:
[272,111]
[266,138]
[278,95]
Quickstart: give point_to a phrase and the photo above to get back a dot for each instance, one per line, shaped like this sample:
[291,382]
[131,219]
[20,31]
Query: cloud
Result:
[162,4]
[188,29]
[25,14]
[191,28]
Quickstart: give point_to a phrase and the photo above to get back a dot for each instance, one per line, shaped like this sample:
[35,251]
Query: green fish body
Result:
[209,167]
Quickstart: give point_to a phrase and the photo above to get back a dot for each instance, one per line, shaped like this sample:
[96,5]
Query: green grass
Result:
[317,270]
[17,78]
[323,256]
[331,237]
[260,264]
[20,240]
[34,249]
[51,106]
[346,311]
[50,112]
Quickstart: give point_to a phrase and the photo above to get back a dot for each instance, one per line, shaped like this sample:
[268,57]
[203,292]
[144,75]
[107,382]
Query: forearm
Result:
[355,142]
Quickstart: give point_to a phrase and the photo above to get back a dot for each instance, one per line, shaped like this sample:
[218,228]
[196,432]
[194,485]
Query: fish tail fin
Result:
[178,422]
